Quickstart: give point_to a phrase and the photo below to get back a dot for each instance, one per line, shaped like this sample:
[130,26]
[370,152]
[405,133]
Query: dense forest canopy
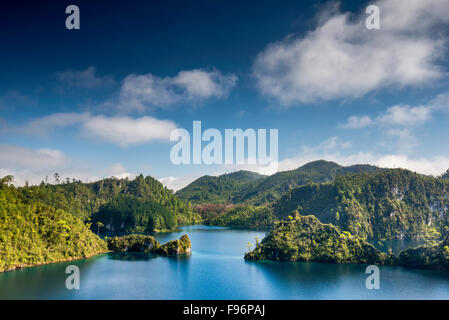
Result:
[94,200]
[221,189]
[305,238]
[393,204]
[32,232]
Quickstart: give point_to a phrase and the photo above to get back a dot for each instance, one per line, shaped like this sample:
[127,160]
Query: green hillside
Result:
[33,233]
[432,257]
[221,189]
[307,239]
[257,190]
[94,200]
[394,204]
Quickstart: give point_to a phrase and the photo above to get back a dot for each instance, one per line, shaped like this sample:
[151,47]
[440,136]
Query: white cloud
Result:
[36,165]
[128,131]
[405,115]
[84,79]
[139,92]
[401,115]
[45,125]
[120,130]
[118,171]
[356,122]
[23,158]
[177,183]
[343,59]
[429,166]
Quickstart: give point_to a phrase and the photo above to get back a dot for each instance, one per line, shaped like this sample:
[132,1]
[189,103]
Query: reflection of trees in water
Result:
[307,271]
[131,256]
[143,256]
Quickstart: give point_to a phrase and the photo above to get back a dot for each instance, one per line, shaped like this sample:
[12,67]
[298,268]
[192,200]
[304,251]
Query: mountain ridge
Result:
[264,189]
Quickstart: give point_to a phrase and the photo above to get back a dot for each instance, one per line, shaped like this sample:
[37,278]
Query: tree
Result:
[56,175]
[249,245]
[99,225]
[7,180]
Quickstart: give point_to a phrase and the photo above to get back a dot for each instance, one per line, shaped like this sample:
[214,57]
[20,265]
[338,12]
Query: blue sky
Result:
[102,100]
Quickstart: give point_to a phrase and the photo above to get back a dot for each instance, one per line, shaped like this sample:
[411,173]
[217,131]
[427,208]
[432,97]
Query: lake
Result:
[216,270]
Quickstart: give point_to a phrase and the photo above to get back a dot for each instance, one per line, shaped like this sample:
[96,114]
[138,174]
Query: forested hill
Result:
[394,204]
[33,233]
[221,189]
[119,197]
[264,189]
[304,238]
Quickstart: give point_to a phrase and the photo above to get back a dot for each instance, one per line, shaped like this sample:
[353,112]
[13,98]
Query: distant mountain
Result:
[251,188]
[221,189]
[393,204]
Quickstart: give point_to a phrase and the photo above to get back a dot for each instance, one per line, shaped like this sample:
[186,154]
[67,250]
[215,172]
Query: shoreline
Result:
[52,262]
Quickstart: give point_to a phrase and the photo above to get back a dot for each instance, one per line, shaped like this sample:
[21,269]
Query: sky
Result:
[102,100]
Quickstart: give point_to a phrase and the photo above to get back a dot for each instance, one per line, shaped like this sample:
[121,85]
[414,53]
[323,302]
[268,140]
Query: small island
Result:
[305,238]
[148,244]
[431,257]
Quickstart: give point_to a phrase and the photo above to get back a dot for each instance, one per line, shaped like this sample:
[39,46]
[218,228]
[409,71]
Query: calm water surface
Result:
[216,270]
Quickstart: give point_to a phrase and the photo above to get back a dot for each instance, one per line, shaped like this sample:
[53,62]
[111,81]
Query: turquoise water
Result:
[216,270]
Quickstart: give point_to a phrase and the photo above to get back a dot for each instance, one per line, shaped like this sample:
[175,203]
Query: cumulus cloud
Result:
[357,122]
[23,158]
[128,131]
[44,126]
[405,115]
[341,58]
[84,79]
[140,92]
[120,130]
[177,183]
[401,115]
[35,165]
[119,171]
